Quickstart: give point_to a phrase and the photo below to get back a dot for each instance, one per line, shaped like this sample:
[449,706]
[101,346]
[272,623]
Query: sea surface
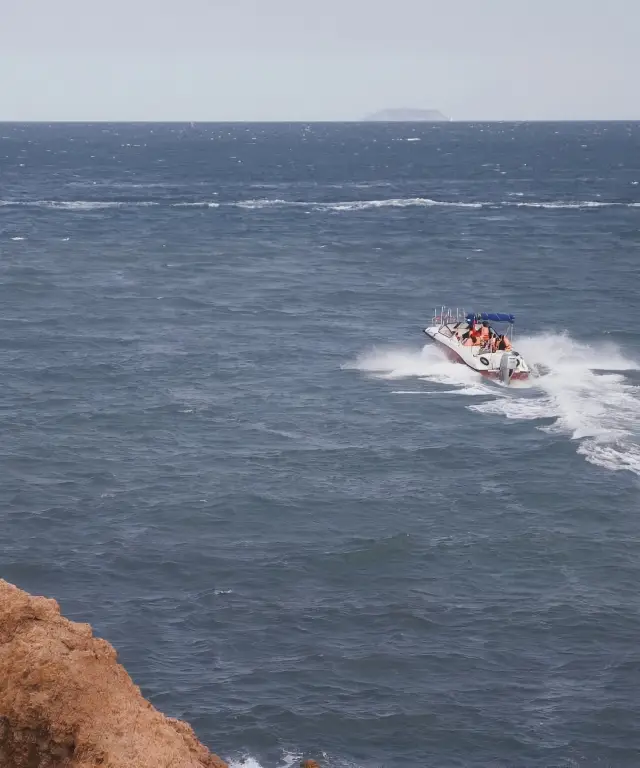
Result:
[227,444]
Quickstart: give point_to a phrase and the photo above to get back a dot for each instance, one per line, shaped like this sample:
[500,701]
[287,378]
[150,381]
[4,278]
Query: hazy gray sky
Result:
[318,59]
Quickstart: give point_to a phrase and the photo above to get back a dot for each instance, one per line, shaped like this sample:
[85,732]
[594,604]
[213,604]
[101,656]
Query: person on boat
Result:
[504,343]
[483,335]
[467,333]
[470,338]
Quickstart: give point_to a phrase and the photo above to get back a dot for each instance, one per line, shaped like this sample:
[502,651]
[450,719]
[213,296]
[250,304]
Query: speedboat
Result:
[448,329]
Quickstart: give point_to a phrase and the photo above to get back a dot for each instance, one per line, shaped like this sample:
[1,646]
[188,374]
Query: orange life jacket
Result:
[484,332]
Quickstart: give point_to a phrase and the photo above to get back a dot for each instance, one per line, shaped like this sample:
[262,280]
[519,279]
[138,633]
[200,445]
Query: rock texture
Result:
[65,702]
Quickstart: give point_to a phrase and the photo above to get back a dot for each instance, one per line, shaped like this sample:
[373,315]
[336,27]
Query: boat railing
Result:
[446,315]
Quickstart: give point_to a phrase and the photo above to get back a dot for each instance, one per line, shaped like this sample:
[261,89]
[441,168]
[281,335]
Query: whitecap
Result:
[75,205]
[267,203]
[411,202]
[202,204]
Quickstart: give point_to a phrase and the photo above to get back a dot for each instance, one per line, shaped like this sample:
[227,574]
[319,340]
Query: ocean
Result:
[228,445]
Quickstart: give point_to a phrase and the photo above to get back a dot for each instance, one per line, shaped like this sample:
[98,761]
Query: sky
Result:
[306,60]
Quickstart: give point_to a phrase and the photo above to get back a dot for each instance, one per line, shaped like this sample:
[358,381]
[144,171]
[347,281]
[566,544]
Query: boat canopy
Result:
[496,317]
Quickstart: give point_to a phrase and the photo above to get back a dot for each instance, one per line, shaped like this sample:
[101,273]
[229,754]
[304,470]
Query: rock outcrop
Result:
[408,116]
[65,701]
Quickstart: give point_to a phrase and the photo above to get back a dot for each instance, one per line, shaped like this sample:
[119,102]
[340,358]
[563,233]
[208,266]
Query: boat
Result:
[448,328]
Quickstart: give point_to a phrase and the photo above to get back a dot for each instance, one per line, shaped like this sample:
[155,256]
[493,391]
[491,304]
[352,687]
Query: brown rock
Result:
[309,764]
[65,702]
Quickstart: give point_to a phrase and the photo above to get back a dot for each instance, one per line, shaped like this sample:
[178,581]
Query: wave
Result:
[354,205]
[339,206]
[75,205]
[583,390]
[421,202]
[569,205]
[287,761]
[412,202]
[291,760]
[203,204]
[267,203]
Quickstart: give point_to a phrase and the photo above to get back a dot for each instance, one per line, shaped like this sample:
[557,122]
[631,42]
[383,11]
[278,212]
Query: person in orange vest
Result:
[485,333]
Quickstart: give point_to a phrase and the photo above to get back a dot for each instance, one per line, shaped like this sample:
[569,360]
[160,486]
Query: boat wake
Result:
[584,388]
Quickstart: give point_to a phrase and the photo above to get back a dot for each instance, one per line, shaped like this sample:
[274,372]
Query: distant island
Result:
[408,116]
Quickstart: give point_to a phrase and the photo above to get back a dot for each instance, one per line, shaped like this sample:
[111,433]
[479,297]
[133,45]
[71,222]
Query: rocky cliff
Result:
[65,702]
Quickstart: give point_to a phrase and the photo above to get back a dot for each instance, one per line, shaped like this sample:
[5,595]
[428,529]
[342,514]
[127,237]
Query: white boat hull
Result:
[503,366]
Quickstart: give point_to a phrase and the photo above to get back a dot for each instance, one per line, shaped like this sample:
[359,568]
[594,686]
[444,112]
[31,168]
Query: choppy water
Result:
[225,446]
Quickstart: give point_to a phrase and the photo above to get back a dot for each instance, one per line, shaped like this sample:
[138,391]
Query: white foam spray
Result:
[582,387]
[288,760]
[428,364]
[292,760]
[247,762]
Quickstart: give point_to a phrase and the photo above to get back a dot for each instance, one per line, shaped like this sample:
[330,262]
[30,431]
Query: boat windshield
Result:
[454,329]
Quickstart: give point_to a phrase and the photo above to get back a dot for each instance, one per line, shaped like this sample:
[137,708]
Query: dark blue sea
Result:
[227,444]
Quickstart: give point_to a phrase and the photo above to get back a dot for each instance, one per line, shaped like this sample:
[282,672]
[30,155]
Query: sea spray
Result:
[582,387]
